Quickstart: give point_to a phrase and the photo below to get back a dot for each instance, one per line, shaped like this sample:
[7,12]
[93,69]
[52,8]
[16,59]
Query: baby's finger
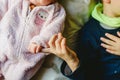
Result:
[33,49]
[38,49]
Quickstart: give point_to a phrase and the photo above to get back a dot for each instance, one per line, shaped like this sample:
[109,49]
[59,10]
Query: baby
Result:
[25,27]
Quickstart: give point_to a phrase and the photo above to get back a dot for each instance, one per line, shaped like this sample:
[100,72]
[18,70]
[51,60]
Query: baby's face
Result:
[41,2]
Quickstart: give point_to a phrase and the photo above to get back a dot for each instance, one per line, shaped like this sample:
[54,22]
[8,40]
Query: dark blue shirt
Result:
[95,62]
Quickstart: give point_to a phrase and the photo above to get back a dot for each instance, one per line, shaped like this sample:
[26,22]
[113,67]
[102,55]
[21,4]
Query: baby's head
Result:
[111,8]
[42,2]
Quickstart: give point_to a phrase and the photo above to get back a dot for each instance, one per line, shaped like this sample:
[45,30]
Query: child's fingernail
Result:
[101,38]
[118,32]
[106,33]
[101,44]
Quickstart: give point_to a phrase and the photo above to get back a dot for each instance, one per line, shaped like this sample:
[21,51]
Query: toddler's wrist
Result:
[72,61]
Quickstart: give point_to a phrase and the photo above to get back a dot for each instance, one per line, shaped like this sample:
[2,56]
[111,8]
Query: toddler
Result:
[97,51]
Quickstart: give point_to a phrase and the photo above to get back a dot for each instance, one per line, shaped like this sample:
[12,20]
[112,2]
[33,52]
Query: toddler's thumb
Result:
[46,50]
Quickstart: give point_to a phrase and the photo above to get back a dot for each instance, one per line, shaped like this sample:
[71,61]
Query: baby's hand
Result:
[112,44]
[34,48]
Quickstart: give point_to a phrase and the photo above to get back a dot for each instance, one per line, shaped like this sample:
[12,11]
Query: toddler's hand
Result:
[34,48]
[57,46]
[112,44]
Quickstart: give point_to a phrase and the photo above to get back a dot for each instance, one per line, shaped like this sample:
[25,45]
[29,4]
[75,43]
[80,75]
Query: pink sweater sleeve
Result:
[55,26]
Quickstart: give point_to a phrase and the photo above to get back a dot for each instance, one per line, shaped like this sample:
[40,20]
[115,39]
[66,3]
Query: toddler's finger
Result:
[46,50]
[118,33]
[51,42]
